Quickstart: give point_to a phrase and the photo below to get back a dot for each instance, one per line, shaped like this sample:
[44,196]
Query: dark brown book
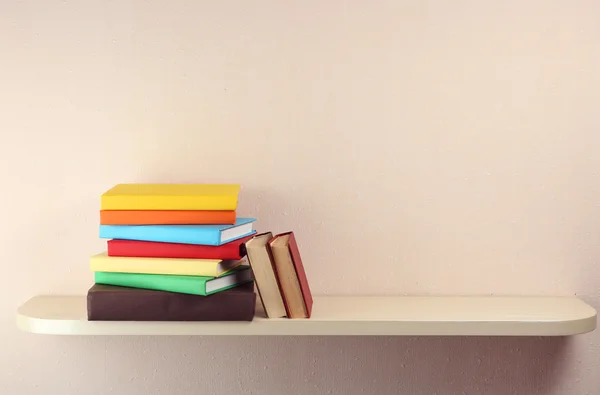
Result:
[113,303]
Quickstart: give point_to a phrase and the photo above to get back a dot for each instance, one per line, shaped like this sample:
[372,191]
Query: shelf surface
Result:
[344,315]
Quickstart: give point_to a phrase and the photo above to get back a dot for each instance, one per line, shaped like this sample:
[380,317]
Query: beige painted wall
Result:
[414,147]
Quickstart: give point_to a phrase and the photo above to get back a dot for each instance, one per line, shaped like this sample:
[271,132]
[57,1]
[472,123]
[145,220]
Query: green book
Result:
[195,285]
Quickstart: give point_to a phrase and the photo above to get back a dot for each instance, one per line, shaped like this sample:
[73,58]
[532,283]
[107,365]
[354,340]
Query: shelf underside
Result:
[344,315]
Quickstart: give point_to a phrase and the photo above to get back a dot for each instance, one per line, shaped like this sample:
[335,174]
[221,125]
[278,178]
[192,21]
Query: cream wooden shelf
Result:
[344,315]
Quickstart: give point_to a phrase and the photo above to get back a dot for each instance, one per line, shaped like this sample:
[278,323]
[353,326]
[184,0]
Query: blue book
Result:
[212,235]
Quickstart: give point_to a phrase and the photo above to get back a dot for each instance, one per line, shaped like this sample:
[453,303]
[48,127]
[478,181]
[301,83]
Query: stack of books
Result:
[175,252]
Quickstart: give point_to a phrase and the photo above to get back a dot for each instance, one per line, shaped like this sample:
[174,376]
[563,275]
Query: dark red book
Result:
[290,272]
[152,249]
[113,303]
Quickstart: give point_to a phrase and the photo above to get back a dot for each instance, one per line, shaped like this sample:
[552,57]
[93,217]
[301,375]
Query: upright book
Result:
[171,197]
[261,263]
[214,235]
[113,303]
[292,276]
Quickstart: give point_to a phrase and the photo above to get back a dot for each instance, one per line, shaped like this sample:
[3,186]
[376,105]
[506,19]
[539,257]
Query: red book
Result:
[152,249]
[292,277]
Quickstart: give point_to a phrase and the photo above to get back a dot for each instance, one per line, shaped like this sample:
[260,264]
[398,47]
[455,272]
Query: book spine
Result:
[192,285]
[142,305]
[166,217]
[170,266]
[151,249]
[166,202]
[160,233]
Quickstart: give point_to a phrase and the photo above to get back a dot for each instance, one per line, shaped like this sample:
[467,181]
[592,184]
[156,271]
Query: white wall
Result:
[414,147]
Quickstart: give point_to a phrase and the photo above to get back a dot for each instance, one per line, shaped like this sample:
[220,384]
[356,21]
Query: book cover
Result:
[178,266]
[114,303]
[171,197]
[153,249]
[261,263]
[193,285]
[166,217]
[291,275]
[214,235]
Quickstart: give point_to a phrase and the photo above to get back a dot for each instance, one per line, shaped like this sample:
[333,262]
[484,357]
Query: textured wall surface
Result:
[414,147]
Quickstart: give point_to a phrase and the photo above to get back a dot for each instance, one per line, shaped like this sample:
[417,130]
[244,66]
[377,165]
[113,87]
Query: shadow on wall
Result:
[307,365]
[428,365]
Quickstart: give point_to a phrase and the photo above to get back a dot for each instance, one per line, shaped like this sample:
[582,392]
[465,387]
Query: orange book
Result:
[166,217]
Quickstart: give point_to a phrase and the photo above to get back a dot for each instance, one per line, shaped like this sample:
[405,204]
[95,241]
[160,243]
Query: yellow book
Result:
[179,266]
[171,197]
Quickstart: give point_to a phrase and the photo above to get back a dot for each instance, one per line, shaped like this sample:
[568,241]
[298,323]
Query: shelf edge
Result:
[586,322]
